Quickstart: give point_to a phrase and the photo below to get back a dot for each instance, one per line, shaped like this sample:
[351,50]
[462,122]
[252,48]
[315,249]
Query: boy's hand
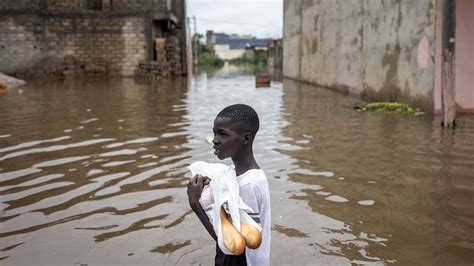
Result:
[195,187]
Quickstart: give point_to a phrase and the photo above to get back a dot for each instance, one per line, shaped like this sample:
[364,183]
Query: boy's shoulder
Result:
[255,176]
[253,172]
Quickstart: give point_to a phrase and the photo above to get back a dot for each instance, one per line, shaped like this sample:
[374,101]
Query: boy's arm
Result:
[195,187]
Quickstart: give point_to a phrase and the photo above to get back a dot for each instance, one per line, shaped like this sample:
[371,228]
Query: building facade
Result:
[383,50]
[228,47]
[72,37]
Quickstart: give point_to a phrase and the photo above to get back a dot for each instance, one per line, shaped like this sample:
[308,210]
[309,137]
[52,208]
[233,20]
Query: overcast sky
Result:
[260,18]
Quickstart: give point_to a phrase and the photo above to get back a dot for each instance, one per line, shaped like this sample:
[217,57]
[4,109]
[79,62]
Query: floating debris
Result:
[389,107]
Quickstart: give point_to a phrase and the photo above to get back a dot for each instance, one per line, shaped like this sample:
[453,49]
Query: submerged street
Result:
[100,167]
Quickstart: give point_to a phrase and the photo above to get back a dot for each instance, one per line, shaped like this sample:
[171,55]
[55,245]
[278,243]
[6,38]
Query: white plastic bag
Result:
[222,189]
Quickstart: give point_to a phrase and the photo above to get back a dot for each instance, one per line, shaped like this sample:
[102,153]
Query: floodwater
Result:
[95,173]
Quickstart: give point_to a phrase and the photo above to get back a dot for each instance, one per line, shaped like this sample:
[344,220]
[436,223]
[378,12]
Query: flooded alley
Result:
[95,172]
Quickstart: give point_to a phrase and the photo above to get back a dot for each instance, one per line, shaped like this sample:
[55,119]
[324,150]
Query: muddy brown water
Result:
[95,172]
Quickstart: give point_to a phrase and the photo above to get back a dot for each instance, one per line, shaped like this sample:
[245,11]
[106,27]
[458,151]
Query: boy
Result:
[234,132]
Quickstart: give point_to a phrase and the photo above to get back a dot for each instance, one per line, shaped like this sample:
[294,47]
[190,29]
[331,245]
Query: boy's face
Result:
[228,138]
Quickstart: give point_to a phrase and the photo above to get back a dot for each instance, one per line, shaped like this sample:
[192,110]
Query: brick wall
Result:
[20,5]
[34,30]
[66,5]
[20,40]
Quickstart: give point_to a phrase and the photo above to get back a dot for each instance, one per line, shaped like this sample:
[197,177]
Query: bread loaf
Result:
[253,237]
[233,240]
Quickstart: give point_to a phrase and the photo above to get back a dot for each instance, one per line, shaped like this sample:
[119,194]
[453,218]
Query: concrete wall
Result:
[464,57]
[381,49]
[118,36]
[275,54]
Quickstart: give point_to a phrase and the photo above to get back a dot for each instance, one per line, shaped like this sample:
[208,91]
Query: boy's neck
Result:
[245,163]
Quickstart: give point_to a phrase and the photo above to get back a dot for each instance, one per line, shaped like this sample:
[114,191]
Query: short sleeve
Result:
[252,196]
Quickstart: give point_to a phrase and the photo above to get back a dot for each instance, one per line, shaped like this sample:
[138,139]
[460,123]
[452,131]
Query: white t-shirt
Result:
[255,193]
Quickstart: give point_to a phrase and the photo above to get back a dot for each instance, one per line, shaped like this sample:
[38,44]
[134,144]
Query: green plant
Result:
[209,59]
[390,107]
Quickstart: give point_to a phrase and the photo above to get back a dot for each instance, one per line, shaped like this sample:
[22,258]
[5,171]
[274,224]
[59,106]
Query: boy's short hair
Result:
[244,114]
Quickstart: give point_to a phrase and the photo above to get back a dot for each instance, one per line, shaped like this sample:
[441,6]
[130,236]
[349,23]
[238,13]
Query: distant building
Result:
[383,50]
[275,54]
[233,46]
[74,37]
[275,59]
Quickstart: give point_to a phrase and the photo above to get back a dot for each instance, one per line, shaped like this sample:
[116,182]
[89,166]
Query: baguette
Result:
[233,240]
[253,237]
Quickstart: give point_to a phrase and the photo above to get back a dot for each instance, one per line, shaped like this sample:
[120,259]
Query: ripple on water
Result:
[366,202]
[32,143]
[117,163]
[19,173]
[337,198]
[94,172]
[308,142]
[118,153]
[134,141]
[87,121]
[32,182]
[55,148]
[60,161]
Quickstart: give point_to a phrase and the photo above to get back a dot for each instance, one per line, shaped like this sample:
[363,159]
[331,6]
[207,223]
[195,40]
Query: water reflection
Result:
[387,171]
[99,167]
[89,177]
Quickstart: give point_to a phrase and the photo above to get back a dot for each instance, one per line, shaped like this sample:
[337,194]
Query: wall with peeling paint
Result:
[380,49]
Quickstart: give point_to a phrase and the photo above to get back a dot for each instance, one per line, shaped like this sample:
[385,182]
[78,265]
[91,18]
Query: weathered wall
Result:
[275,54]
[117,37]
[464,56]
[381,49]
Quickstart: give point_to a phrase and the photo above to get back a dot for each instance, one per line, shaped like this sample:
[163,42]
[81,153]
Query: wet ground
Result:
[95,173]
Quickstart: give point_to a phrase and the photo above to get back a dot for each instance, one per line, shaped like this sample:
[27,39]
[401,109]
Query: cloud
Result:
[261,18]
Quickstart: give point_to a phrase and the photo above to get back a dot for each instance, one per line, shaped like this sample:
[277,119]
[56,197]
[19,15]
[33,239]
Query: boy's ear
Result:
[247,137]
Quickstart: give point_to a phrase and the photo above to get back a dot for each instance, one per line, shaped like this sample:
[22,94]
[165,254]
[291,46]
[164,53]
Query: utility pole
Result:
[195,43]
[190,57]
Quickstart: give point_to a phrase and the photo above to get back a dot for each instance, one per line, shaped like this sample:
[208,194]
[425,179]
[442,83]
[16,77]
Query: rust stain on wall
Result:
[385,45]
[407,52]
[390,59]
[307,4]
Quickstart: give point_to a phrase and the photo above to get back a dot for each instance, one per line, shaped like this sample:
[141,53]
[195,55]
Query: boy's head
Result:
[234,129]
